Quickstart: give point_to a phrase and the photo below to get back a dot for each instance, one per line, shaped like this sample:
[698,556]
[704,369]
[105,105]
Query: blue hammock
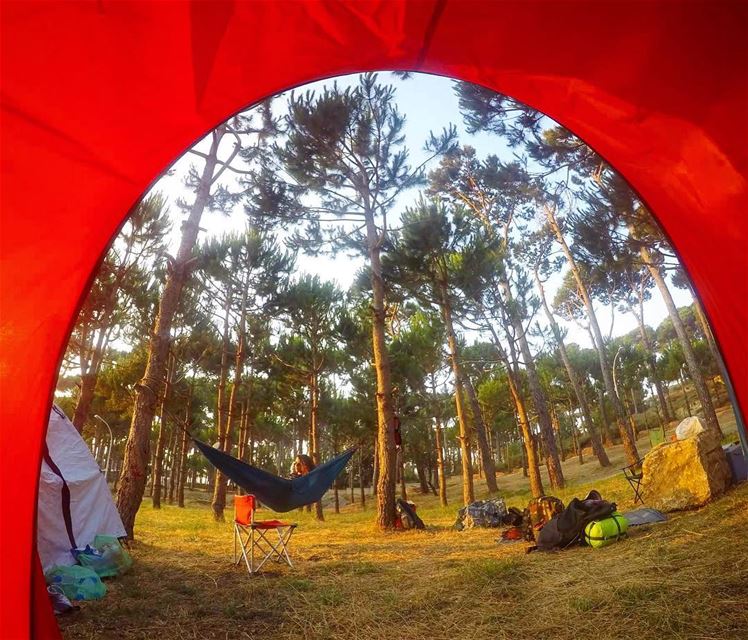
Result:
[280,494]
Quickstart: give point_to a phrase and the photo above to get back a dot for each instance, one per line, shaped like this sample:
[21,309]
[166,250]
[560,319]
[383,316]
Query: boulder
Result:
[685,474]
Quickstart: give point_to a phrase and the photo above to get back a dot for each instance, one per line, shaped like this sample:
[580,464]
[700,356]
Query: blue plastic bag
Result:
[103,561]
[110,546]
[77,583]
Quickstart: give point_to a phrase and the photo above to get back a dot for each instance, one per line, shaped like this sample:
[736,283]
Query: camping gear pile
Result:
[548,525]
[592,520]
[486,514]
[78,526]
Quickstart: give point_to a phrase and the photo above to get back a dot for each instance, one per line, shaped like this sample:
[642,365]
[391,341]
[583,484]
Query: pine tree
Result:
[341,169]
[209,194]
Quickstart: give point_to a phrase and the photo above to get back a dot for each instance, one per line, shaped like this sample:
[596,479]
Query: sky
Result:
[428,104]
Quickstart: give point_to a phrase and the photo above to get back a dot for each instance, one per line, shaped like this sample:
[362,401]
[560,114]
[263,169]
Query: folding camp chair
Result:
[634,474]
[257,537]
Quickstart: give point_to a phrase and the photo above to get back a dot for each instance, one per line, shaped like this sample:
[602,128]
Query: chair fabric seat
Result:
[270,524]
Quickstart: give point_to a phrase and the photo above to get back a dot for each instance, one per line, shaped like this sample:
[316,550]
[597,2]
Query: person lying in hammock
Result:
[302,465]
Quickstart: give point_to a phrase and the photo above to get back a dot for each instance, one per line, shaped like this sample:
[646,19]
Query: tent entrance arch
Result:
[85,98]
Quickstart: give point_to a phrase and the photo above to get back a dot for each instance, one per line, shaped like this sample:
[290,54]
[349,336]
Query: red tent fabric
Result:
[100,97]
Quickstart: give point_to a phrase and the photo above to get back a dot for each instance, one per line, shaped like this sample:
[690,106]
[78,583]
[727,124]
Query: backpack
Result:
[406,511]
[539,512]
[568,527]
[513,517]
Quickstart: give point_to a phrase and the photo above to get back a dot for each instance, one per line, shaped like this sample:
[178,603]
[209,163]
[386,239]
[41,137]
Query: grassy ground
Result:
[687,578]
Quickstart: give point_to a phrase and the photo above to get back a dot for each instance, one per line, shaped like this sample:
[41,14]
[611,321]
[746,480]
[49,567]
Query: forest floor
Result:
[686,578]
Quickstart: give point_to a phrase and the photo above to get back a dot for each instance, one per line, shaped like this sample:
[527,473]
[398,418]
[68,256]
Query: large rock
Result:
[685,474]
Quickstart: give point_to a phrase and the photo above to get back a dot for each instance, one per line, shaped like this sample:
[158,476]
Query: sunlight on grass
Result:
[687,578]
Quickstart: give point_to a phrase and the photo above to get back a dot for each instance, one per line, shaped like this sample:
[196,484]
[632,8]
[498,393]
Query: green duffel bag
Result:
[601,533]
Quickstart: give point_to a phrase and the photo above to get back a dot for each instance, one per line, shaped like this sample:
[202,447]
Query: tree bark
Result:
[158,460]
[183,462]
[222,410]
[468,491]
[440,463]
[385,415]
[173,463]
[314,425]
[530,457]
[148,390]
[479,425]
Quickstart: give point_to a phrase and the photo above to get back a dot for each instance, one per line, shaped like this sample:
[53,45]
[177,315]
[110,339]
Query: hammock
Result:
[280,494]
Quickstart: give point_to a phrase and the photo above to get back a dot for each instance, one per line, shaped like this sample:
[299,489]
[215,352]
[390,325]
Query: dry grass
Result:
[687,578]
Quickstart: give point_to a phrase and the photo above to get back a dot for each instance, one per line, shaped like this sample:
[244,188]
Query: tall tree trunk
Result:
[375,467]
[183,457]
[530,458]
[468,492]
[479,424]
[539,400]
[440,463]
[225,438]
[597,447]
[351,487]
[148,390]
[361,483]
[173,462]
[158,459]
[314,424]
[710,416]
[530,462]
[222,410]
[243,427]
[385,415]
[629,445]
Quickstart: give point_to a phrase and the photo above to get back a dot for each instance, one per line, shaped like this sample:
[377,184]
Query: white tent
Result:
[75,503]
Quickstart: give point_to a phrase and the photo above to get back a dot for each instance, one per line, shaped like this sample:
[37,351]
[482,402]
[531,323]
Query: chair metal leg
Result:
[257,548]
